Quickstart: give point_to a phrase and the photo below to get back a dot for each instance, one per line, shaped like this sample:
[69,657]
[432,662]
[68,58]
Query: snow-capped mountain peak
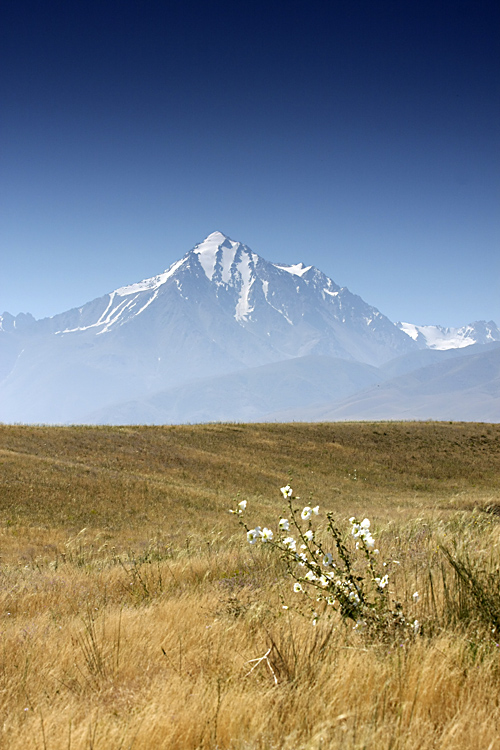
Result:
[439,337]
[287,310]
[216,248]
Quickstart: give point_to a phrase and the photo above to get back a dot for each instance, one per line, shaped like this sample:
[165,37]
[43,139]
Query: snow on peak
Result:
[207,253]
[299,269]
[150,284]
[410,329]
[243,307]
[439,337]
[219,236]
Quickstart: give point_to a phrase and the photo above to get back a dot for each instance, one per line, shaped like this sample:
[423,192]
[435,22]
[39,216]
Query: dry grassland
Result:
[131,606]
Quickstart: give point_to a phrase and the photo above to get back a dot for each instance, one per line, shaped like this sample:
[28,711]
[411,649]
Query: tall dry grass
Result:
[159,627]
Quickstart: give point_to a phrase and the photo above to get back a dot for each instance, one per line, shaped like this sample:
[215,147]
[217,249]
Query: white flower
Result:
[309,535]
[309,576]
[352,519]
[327,559]
[290,543]
[382,582]
[416,627]
[266,534]
[323,580]
[286,491]
[306,513]
[254,535]
[369,541]
[415,597]
[362,530]
[241,507]
[302,559]
[297,587]
[284,524]
[315,510]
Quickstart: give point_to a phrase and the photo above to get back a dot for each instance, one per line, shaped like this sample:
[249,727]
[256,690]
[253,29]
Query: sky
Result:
[360,137]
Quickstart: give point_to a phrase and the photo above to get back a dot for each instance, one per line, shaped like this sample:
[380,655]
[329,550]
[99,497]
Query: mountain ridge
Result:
[217,310]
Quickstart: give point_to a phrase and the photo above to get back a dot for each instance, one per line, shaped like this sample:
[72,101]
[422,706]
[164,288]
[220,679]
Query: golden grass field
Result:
[132,605]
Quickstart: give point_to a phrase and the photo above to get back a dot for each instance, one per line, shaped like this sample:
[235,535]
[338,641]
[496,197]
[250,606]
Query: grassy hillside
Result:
[132,607]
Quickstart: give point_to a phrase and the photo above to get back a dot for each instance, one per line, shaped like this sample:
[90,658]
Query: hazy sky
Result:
[361,137]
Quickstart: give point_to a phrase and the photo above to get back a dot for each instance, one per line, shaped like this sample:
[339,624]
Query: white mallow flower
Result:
[352,519]
[284,524]
[290,543]
[369,541]
[286,491]
[416,627]
[266,535]
[306,513]
[302,559]
[309,576]
[416,597]
[327,559]
[315,510]
[361,529]
[323,580]
[254,535]
[297,587]
[241,507]
[309,535]
[382,582]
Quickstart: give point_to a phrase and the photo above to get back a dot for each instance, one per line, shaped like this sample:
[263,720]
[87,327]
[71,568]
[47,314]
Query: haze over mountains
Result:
[225,335]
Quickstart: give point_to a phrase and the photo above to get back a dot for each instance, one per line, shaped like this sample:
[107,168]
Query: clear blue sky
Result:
[361,137]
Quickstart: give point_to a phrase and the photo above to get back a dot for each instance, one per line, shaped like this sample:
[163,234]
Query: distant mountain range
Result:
[437,337]
[224,335]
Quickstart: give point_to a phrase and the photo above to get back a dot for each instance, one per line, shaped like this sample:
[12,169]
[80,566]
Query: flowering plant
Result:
[333,577]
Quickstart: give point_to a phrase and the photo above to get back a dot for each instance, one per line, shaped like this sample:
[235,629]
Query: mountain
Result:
[424,357]
[438,337]
[465,388]
[222,334]
[218,309]
[250,395]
